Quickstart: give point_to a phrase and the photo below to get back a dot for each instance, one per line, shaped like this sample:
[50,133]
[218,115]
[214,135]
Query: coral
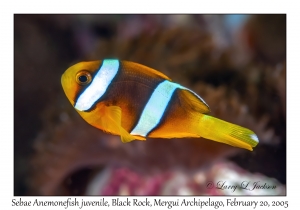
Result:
[222,178]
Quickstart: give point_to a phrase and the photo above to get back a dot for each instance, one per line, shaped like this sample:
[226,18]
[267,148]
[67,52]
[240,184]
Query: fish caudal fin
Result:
[228,133]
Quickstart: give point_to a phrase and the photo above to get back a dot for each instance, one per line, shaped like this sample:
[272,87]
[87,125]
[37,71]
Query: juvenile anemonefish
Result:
[134,101]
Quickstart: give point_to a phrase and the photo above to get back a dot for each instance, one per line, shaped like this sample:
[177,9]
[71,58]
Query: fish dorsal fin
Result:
[111,121]
[145,70]
[188,97]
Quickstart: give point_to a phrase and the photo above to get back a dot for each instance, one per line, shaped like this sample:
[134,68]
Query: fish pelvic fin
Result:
[228,133]
[111,122]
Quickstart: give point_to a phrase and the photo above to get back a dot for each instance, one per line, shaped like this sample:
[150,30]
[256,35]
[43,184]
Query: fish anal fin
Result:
[187,97]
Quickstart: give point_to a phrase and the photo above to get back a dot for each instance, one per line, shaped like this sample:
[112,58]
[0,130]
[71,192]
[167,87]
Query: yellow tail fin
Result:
[228,133]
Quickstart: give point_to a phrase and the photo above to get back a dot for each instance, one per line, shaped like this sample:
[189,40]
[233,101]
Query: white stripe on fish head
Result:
[99,84]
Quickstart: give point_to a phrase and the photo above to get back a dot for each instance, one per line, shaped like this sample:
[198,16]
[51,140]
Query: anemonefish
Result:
[134,101]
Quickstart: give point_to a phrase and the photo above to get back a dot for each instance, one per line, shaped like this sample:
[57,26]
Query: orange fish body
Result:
[134,101]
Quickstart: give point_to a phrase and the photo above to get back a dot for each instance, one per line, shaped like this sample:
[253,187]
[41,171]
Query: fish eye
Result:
[83,77]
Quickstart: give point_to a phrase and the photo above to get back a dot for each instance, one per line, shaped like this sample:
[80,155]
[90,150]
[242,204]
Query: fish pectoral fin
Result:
[112,123]
[188,98]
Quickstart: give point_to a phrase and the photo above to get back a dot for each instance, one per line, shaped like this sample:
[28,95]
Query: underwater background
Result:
[236,63]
